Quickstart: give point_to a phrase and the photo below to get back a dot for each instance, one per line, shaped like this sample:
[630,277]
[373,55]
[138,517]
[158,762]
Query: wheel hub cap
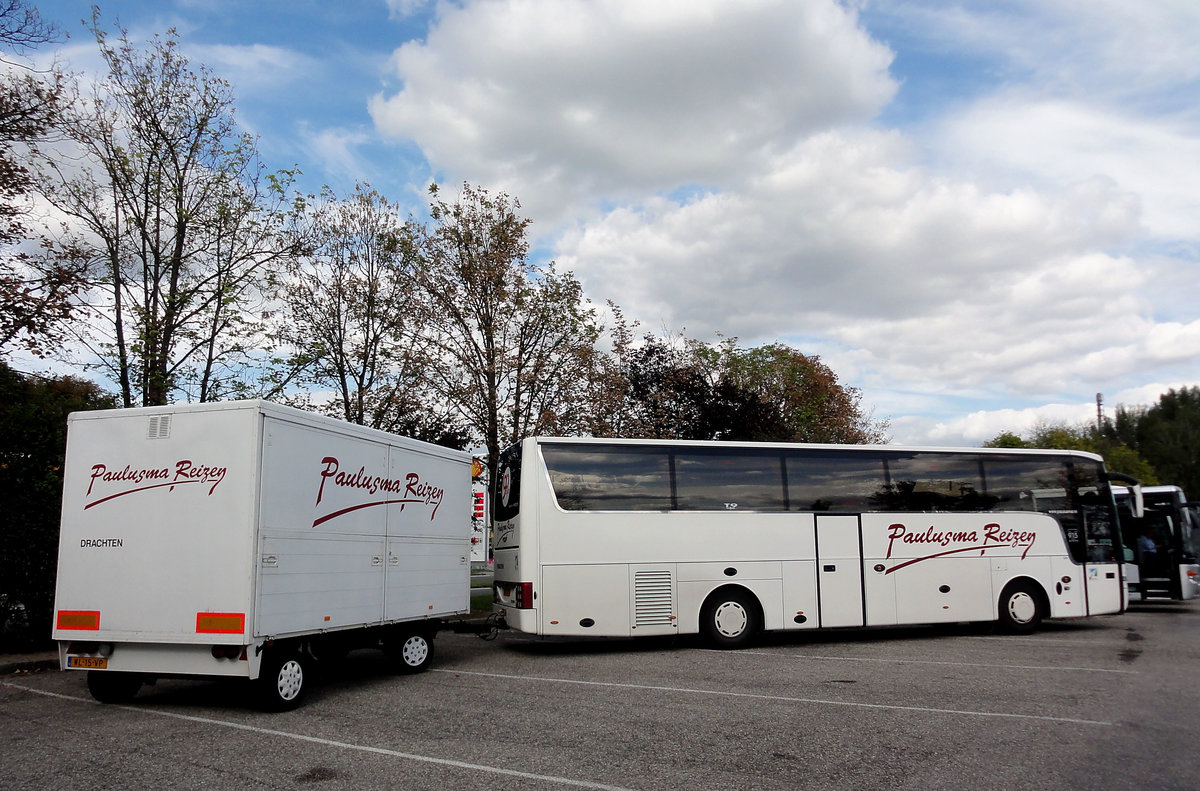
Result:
[415,651]
[290,680]
[731,619]
[1022,607]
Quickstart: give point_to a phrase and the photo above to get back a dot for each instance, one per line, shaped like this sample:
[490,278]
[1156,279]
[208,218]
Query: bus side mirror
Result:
[1137,503]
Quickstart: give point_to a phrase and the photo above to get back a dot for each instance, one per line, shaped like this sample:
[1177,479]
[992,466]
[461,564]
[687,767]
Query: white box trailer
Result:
[250,540]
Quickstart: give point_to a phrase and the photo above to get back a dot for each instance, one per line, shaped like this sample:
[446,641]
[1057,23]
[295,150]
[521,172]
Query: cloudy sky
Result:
[981,213]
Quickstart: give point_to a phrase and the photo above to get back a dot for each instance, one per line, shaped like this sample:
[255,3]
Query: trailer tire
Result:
[730,618]
[108,686]
[411,652]
[1020,608]
[282,680]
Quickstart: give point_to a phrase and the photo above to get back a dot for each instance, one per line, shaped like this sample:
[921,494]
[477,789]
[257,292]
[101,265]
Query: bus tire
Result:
[729,618]
[1020,608]
[107,686]
[282,680]
[411,652]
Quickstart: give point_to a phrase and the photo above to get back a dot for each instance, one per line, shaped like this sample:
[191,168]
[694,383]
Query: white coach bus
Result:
[624,538]
[1162,553]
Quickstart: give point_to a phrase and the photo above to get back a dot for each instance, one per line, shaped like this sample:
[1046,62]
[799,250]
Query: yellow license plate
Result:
[89,662]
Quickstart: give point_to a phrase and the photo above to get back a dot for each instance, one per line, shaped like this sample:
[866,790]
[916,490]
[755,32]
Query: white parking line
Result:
[565,781]
[1040,640]
[921,662]
[775,698]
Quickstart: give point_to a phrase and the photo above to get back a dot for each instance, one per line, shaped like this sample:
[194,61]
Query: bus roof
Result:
[818,446]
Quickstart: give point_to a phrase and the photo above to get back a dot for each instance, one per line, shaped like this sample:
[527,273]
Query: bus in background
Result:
[1161,560]
[622,538]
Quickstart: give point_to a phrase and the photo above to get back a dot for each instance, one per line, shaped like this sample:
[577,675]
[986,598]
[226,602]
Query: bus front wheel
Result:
[729,619]
[1020,608]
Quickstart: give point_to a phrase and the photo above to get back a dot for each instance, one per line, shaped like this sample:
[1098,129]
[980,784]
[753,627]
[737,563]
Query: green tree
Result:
[176,215]
[37,291]
[1006,439]
[1168,436]
[33,411]
[813,405]
[685,389]
[1118,456]
[351,321]
[513,343]
[667,392]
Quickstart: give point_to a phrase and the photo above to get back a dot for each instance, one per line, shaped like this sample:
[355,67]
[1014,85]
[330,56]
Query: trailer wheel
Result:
[282,680]
[113,687]
[411,652]
[1020,608]
[729,618]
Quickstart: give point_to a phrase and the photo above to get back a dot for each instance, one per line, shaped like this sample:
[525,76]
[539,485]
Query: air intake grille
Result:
[159,427]
[652,600]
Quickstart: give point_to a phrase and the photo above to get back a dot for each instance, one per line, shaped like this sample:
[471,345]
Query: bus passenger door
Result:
[839,571]
[1105,592]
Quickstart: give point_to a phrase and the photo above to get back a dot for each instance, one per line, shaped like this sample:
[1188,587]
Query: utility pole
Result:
[1099,412]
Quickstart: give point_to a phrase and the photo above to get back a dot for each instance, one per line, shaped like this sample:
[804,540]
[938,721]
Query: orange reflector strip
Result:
[79,619]
[220,622]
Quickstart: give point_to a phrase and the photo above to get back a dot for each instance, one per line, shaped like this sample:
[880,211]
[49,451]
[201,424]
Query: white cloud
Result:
[255,67]
[406,8]
[567,101]
[724,166]
[746,190]
[1025,138]
[929,278]
[335,152]
[1143,395]
[979,426]
[1115,50]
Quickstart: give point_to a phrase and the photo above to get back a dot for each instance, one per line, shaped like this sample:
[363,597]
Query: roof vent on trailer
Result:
[159,427]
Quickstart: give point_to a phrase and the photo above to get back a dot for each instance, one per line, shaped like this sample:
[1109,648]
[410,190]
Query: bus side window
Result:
[934,482]
[825,481]
[601,478]
[706,481]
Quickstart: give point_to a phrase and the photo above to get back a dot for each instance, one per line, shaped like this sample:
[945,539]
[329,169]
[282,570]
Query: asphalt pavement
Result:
[1103,704]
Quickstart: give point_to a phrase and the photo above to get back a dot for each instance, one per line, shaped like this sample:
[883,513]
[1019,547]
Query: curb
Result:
[30,665]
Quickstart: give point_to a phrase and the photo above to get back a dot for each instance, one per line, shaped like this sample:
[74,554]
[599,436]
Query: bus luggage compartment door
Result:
[839,571]
[585,599]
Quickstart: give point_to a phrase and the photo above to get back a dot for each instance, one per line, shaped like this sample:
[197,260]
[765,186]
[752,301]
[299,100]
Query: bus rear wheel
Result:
[1020,608]
[729,619]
